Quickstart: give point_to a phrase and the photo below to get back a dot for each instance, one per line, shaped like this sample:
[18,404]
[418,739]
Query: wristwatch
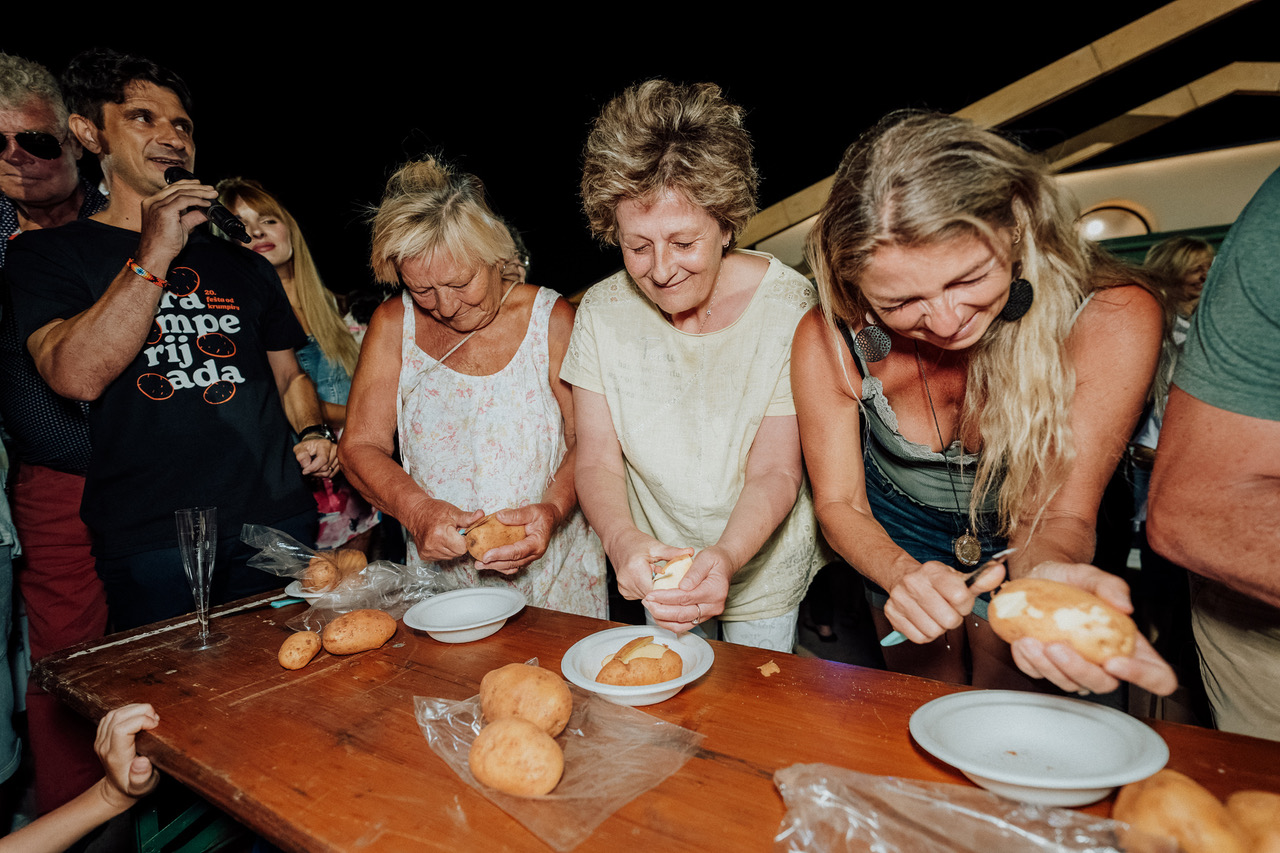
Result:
[318,431]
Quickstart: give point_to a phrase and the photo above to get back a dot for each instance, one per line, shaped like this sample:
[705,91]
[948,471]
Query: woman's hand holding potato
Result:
[434,526]
[700,596]
[634,556]
[540,521]
[931,598]
[1064,667]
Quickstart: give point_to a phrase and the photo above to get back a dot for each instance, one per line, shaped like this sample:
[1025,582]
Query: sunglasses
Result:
[37,143]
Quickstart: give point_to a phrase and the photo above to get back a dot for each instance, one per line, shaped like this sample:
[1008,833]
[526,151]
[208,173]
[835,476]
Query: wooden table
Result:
[330,757]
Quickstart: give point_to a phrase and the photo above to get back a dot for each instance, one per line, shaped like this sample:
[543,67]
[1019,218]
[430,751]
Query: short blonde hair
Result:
[662,136]
[429,207]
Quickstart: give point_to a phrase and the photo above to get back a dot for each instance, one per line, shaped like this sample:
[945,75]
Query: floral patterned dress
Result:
[490,442]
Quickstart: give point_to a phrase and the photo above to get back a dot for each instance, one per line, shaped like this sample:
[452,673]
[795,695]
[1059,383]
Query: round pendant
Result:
[967,548]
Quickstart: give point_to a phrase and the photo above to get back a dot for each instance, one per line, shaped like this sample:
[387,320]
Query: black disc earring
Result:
[872,343]
[1021,295]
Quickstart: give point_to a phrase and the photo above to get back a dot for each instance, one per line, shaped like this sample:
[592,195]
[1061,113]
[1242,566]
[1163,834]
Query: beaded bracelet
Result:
[133,265]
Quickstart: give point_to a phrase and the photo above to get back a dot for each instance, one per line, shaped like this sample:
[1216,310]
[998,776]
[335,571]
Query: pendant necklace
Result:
[966,547]
[715,287]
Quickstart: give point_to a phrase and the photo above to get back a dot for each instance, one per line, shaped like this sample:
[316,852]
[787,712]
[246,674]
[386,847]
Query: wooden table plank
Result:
[330,757]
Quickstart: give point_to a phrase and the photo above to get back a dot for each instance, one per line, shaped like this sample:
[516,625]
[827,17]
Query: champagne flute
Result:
[198,544]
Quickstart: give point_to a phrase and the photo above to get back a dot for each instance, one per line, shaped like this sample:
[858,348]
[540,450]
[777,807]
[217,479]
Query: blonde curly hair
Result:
[659,136]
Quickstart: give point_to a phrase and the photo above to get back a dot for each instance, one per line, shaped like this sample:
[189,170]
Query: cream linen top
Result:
[686,407]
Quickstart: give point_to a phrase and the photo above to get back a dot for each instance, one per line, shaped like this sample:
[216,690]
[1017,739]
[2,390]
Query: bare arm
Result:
[129,776]
[1114,346]
[542,519]
[317,456]
[369,441]
[335,415]
[81,355]
[1215,496]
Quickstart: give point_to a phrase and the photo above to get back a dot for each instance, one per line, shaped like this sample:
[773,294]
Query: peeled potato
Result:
[491,533]
[673,573]
[515,756]
[298,649]
[528,692]
[1170,805]
[641,661]
[358,631]
[1055,612]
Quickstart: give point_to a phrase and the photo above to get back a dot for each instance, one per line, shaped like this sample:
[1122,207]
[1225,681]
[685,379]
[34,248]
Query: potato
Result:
[528,692]
[515,756]
[1257,813]
[1054,612]
[1170,805]
[673,573]
[358,631]
[298,649]
[491,533]
[641,661]
[322,575]
[348,560]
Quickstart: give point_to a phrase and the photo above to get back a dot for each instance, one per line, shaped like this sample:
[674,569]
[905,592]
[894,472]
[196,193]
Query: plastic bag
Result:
[834,809]
[612,754]
[382,585]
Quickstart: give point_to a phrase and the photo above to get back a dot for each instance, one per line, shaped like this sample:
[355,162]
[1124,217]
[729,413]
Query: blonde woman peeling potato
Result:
[686,428]
[463,369]
[969,383]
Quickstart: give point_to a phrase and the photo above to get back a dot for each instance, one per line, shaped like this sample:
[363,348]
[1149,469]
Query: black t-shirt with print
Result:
[195,419]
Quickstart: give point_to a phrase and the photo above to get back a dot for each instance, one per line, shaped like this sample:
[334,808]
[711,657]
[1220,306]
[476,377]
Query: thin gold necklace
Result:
[715,287]
[966,547]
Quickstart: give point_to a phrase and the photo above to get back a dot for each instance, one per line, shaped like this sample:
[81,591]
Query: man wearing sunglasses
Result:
[39,183]
[40,187]
[182,341]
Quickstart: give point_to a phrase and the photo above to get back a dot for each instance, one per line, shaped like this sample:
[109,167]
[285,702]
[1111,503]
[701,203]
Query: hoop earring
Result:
[872,343]
[1021,295]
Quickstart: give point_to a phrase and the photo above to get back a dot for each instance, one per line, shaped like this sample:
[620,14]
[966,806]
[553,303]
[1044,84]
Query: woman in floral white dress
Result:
[464,368]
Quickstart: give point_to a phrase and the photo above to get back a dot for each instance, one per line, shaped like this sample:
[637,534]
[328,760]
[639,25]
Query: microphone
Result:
[218,215]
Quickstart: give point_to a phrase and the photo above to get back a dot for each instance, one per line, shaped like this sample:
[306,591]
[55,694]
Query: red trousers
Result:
[65,605]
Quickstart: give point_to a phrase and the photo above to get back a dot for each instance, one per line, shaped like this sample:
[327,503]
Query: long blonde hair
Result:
[315,301]
[920,178]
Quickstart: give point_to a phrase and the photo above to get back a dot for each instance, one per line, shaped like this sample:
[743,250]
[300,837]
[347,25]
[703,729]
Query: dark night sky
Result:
[323,123]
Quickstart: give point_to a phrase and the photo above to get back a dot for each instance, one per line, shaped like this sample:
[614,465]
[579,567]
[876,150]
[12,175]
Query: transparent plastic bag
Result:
[381,585]
[833,809]
[612,754]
